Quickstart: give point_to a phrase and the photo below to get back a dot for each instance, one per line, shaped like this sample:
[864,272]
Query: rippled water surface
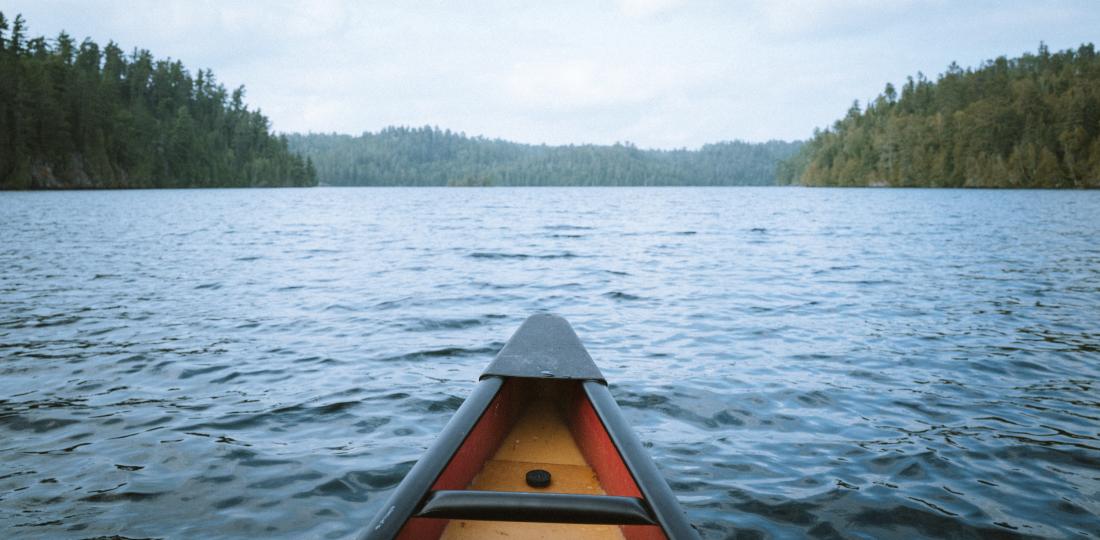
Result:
[832,363]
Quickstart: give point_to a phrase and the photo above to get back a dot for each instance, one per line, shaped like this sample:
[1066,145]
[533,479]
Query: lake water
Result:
[269,363]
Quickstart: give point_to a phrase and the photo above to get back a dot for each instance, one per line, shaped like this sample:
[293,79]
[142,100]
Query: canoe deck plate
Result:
[544,347]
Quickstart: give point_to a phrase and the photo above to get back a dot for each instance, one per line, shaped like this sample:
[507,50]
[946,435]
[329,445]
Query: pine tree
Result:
[1032,121]
[81,116]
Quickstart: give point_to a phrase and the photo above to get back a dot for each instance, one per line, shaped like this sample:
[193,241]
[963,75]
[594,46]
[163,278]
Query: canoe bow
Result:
[543,403]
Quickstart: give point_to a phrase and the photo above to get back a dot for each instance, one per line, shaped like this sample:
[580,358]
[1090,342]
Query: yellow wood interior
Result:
[540,439]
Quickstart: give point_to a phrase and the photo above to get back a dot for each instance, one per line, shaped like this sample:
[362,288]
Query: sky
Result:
[658,73]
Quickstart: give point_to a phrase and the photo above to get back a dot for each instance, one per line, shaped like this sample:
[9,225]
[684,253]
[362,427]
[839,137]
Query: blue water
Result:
[269,363]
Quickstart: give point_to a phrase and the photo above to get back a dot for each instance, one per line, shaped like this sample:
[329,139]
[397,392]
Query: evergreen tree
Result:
[1032,121]
[78,116]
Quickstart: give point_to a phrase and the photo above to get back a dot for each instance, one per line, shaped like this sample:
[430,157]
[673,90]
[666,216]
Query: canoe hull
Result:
[563,421]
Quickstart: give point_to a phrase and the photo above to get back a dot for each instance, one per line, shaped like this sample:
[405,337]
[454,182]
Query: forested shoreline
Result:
[429,156]
[80,116]
[1028,122]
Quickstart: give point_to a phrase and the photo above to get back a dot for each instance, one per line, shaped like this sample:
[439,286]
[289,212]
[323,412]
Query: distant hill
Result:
[80,116]
[427,156]
[1032,121]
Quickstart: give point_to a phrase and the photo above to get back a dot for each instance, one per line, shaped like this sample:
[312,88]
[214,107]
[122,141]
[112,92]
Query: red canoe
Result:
[540,449]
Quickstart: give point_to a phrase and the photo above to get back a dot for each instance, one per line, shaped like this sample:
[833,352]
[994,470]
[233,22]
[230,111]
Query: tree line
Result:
[429,156]
[81,116]
[1028,122]
[77,115]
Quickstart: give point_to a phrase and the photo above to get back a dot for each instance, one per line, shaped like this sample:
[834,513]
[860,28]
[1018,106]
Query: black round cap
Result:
[538,478]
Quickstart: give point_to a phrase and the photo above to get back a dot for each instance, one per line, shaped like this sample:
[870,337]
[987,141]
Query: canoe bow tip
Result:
[544,346]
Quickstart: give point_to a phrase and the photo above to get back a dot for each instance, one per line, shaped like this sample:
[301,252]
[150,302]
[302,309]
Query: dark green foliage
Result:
[78,116]
[1028,122]
[427,156]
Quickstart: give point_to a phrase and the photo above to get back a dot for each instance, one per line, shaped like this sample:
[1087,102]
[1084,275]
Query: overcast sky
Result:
[659,73]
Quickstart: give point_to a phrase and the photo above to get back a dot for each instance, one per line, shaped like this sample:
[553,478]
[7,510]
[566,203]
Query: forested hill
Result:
[1032,121]
[400,156]
[80,116]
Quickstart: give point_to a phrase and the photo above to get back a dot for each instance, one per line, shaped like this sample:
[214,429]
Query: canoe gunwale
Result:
[662,502]
[405,500]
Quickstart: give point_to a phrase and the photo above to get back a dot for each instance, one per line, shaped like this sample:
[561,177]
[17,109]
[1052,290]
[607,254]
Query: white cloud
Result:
[664,73]
[645,8]
[581,83]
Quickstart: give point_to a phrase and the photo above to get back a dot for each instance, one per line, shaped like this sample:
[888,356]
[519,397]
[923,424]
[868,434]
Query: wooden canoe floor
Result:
[539,440]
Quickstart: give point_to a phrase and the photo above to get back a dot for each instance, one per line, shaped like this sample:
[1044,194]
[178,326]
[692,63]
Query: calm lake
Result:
[832,363]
